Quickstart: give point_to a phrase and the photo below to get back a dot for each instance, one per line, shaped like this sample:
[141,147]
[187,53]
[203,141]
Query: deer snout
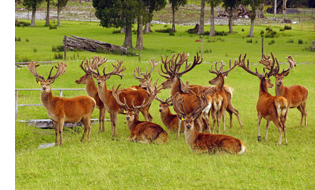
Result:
[98,82]
[44,88]
[280,82]
[77,81]
[127,117]
[160,110]
[188,126]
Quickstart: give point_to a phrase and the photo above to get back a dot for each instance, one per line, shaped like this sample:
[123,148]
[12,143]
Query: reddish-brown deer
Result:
[109,102]
[145,80]
[91,88]
[296,95]
[205,142]
[63,110]
[141,131]
[271,108]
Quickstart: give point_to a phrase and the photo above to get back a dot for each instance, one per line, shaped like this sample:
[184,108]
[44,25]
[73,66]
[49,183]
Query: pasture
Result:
[107,163]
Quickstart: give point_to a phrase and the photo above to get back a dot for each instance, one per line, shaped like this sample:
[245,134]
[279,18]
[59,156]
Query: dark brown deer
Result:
[109,102]
[141,131]
[63,110]
[271,108]
[204,142]
[91,88]
[296,95]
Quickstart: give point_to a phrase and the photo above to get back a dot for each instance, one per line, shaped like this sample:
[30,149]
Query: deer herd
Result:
[193,104]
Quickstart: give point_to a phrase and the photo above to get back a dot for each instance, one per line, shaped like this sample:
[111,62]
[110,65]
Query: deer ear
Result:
[171,104]
[286,74]
[38,81]
[51,81]
[95,75]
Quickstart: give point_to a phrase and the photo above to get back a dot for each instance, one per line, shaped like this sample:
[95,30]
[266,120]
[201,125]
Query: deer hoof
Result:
[258,138]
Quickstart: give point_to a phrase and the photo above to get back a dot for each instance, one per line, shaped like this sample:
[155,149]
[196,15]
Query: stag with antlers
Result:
[63,110]
[205,142]
[296,95]
[145,80]
[141,131]
[109,102]
[271,108]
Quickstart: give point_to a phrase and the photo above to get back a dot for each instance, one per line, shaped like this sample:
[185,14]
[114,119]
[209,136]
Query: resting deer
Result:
[91,88]
[271,108]
[170,120]
[296,95]
[63,110]
[141,131]
[145,81]
[228,93]
[205,142]
[109,102]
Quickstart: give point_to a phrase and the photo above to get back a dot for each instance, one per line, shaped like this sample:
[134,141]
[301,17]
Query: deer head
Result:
[178,103]
[218,78]
[164,104]
[93,64]
[144,79]
[279,76]
[102,79]
[45,84]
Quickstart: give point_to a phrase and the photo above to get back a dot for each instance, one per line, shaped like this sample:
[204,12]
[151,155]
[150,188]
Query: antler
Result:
[167,100]
[32,68]
[166,65]
[225,73]
[116,94]
[147,75]
[179,102]
[189,67]
[153,92]
[291,62]
[241,63]
[185,87]
[61,69]
[116,71]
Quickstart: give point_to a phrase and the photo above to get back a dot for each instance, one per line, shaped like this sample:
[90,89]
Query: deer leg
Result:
[259,121]
[61,122]
[87,126]
[145,112]
[283,121]
[279,126]
[223,119]
[218,116]
[213,120]
[230,113]
[113,120]
[235,111]
[101,120]
[56,125]
[267,127]
[179,123]
[200,123]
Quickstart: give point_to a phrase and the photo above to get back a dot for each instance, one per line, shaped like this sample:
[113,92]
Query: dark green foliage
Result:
[281,29]
[249,41]
[300,41]
[271,42]
[172,33]
[207,51]
[27,40]
[116,32]
[221,33]
[58,56]
[22,24]
[35,50]
[242,29]
[290,41]
[57,49]
[32,4]
[17,39]
[270,34]
[207,33]
[287,27]
[167,30]
[268,28]
[52,27]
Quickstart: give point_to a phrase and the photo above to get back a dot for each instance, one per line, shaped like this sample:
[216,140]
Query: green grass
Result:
[117,164]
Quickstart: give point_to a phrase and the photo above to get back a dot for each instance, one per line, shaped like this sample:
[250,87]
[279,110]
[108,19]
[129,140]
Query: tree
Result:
[284,9]
[60,4]
[275,10]
[213,3]
[118,13]
[202,16]
[254,4]
[229,5]
[152,5]
[32,5]
[175,5]
[47,16]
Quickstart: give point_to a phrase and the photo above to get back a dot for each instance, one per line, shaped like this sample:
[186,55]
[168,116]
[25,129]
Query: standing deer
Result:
[109,102]
[296,95]
[91,88]
[205,142]
[63,110]
[271,108]
[145,81]
[141,131]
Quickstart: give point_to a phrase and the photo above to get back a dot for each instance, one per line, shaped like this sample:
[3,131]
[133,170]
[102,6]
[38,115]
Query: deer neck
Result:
[176,87]
[91,88]
[190,137]
[103,92]
[47,99]
[263,89]
[280,90]
[166,117]
[132,124]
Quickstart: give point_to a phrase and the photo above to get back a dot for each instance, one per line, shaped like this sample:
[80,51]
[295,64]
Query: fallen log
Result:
[79,43]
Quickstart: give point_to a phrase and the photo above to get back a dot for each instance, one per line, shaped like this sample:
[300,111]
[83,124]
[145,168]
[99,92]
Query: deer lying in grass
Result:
[63,110]
[296,95]
[141,131]
[205,142]
[170,120]
[271,108]
[109,102]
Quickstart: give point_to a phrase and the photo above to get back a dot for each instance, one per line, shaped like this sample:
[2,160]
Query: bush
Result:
[58,56]
[262,32]
[171,33]
[242,29]
[271,42]
[116,32]
[290,41]
[27,40]
[207,33]
[52,27]
[35,50]
[268,28]
[221,33]
[58,48]
[300,41]
[270,34]
[249,41]
[17,39]
[287,27]
[281,29]
[167,30]
[207,51]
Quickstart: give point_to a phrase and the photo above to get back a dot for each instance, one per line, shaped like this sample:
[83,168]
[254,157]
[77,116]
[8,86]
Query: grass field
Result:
[106,163]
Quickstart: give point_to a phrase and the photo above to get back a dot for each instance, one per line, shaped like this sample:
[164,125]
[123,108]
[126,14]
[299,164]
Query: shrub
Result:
[165,25]
[17,39]
[268,28]
[58,48]
[27,40]
[242,29]
[35,50]
[116,32]
[207,51]
[290,41]
[281,29]
[221,33]
[167,30]
[171,33]
[207,33]
[58,56]
[52,27]
[249,41]
[262,32]
[300,41]
[287,27]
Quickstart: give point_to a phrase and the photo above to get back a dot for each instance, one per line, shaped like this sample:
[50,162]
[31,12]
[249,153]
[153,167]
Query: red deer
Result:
[170,120]
[271,108]
[109,102]
[296,95]
[173,81]
[227,90]
[205,142]
[91,88]
[141,131]
[145,81]
[63,110]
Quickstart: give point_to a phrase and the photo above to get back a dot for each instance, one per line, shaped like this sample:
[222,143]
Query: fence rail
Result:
[21,89]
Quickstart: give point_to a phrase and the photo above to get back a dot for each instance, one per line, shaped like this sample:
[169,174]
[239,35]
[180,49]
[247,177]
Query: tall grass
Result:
[106,163]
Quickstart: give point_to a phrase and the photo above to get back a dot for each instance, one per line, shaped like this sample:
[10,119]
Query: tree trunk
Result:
[252,23]
[275,10]
[173,25]
[33,17]
[147,28]
[139,34]
[58,15]
[284,9]
[261,10]
[212,30]
[122,30]
[231,22]
[128,38]
[202,18]
[47,16]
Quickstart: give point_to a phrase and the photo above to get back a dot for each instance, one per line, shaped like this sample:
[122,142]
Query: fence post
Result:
[60,94]
[65,48]
[262,47]
[90,16]
[16,104]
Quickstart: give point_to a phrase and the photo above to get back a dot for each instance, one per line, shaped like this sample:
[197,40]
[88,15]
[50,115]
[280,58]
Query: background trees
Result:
[213,3]
[60,4]
[175,5]
[32,5]
[229,5]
